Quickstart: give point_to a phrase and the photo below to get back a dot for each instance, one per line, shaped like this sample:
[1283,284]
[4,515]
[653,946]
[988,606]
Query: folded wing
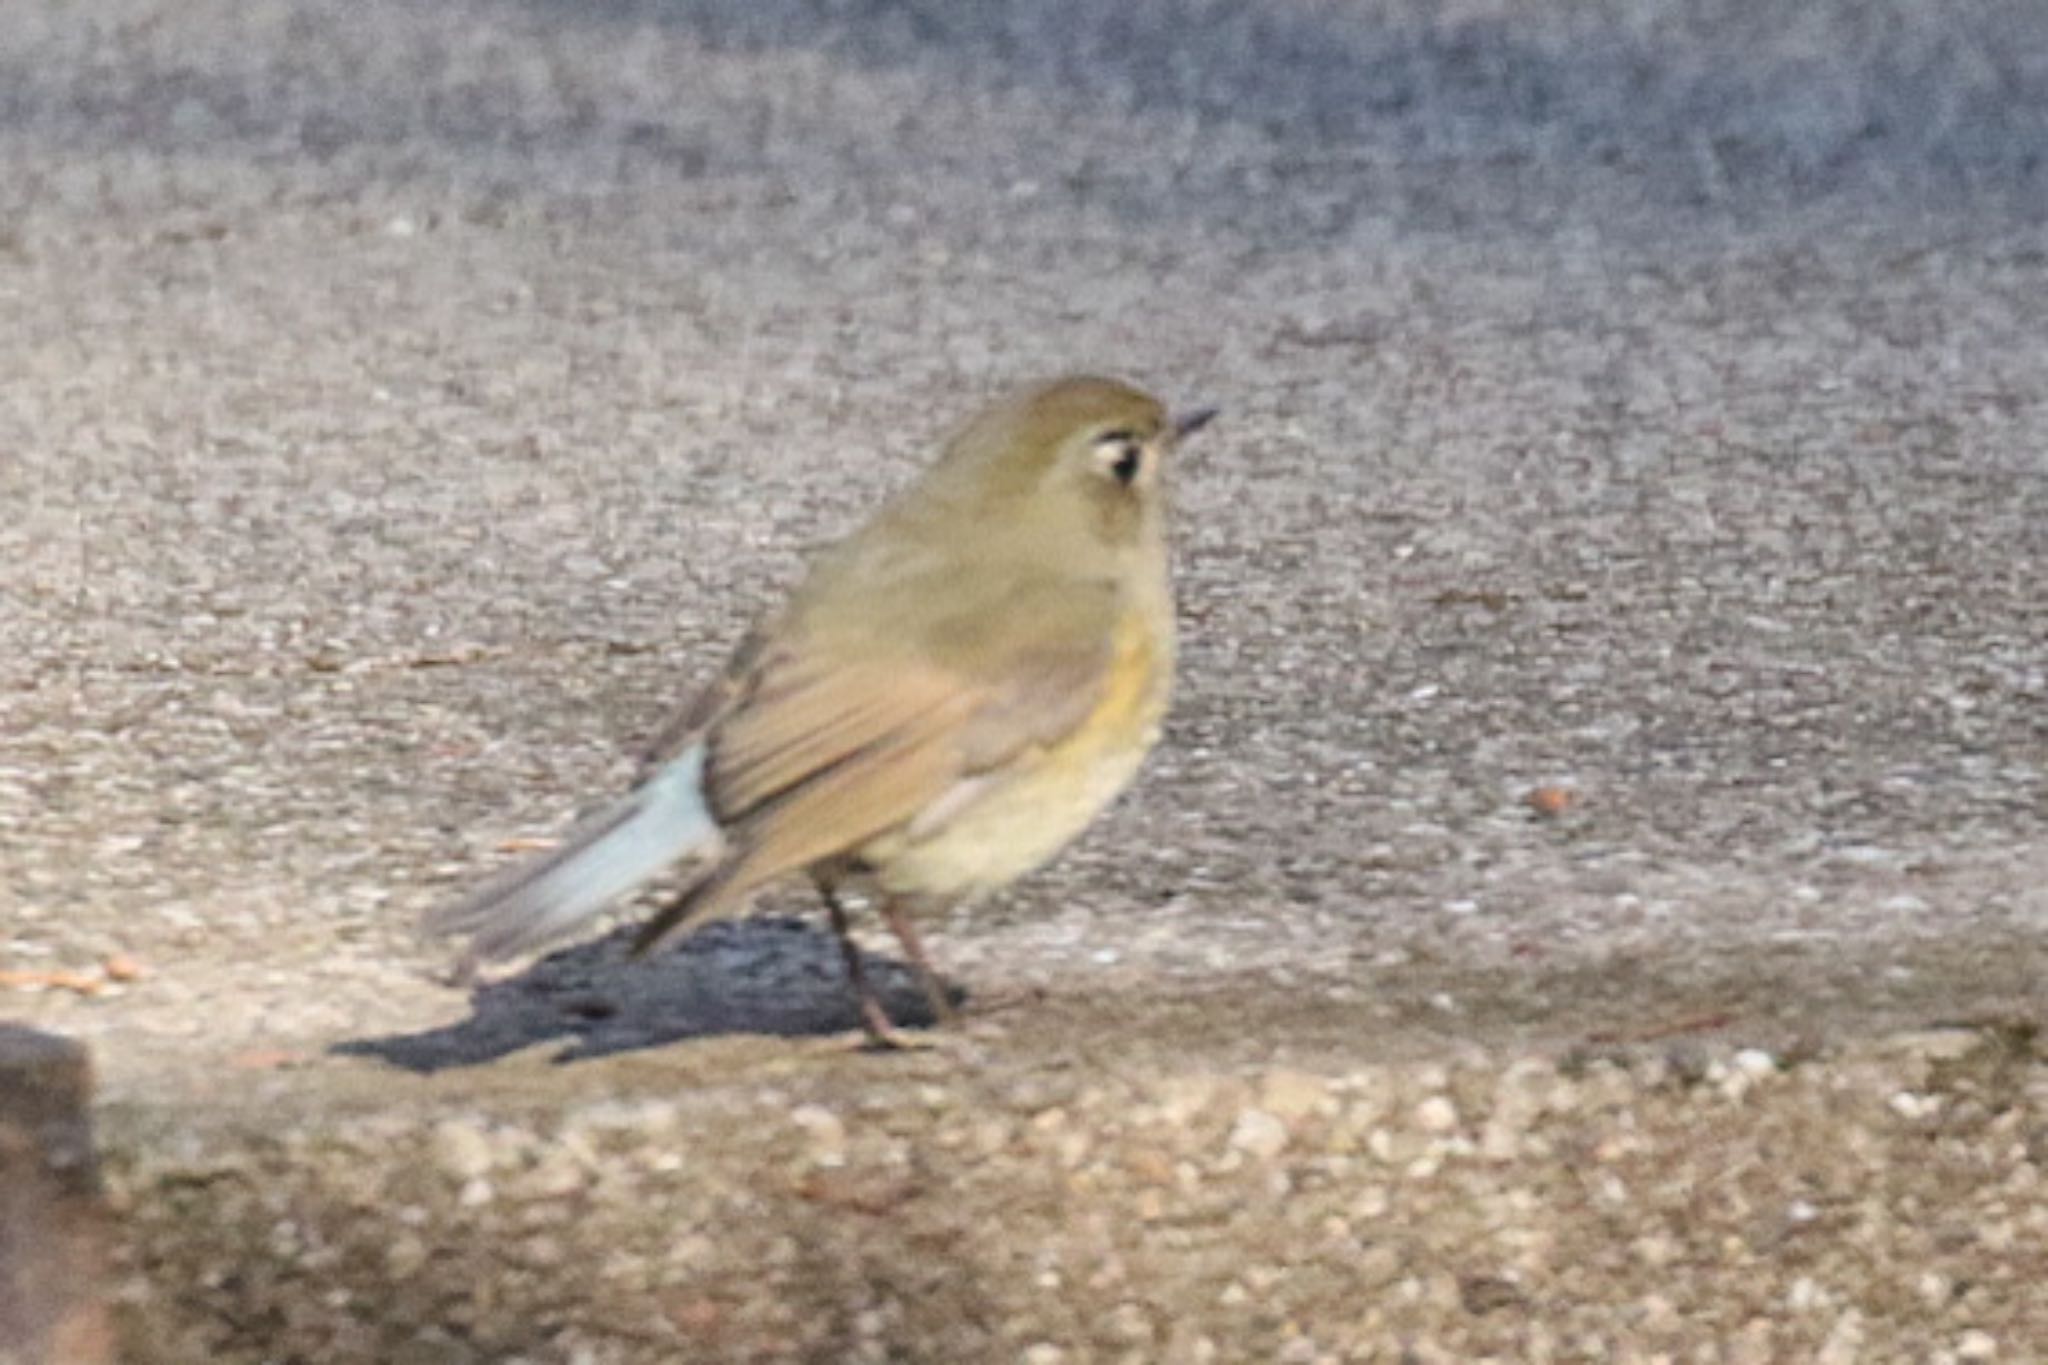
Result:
[829,740]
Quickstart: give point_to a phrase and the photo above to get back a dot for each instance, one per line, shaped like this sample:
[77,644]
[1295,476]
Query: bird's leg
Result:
[896,915]
[874,1020]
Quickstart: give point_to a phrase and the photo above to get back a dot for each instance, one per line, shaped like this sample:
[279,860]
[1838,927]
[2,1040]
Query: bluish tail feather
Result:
[601,860]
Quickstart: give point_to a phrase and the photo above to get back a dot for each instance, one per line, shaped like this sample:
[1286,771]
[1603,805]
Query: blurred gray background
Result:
[406,403]
[1634,398]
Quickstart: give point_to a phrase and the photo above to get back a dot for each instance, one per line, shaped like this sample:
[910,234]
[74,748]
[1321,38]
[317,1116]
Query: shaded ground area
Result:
[1633,403]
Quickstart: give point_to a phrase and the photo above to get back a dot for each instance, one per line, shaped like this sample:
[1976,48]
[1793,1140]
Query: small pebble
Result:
[825,1129]
[1977,1345]
[1908,1105]
[1293,1095]
[463,1149]
[1259,1134]
[1436,1115]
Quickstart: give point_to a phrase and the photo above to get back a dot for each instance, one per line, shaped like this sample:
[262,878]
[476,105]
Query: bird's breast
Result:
[1017,816]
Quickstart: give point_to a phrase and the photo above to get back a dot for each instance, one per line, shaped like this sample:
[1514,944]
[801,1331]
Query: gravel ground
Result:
[1590,904]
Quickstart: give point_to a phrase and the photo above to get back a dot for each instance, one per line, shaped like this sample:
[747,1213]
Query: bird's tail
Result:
[611,853]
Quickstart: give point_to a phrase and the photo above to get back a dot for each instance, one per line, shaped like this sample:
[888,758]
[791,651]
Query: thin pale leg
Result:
[874,1020]
[897,917]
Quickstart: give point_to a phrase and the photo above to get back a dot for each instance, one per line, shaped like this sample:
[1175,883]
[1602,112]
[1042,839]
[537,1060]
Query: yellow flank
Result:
[1012,820]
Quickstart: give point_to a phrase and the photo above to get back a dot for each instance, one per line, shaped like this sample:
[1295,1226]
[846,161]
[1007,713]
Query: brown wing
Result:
[823,746]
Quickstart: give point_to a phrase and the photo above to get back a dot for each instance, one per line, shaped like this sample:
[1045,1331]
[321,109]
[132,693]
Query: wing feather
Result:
[831,738]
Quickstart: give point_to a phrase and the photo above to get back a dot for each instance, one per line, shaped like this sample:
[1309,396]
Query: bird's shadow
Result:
[773,976]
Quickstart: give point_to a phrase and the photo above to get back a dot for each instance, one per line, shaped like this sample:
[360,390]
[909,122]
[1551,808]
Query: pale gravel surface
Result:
[404,404]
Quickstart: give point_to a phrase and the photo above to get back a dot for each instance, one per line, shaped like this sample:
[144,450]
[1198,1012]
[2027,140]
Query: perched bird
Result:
[952,693]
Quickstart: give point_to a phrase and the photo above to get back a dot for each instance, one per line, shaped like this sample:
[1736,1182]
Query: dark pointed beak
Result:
[1190,423]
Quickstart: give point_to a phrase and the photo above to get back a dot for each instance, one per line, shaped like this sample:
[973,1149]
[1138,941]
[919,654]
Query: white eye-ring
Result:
[1122,454]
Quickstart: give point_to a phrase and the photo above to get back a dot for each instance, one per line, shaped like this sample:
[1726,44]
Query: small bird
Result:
[951,694]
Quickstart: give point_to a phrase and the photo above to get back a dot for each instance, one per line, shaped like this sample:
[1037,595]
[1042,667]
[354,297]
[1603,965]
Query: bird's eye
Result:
[1122,455]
